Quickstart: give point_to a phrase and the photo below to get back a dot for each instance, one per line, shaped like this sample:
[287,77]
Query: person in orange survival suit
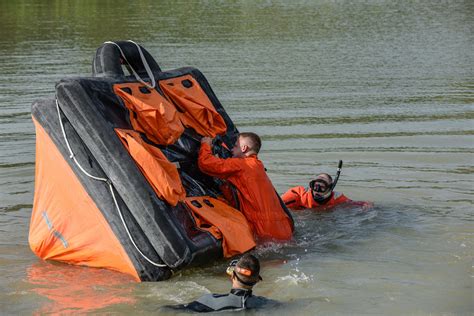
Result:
[320,196]
[258,200]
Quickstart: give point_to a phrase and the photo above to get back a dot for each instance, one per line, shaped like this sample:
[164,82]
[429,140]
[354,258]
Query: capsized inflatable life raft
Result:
[117,184]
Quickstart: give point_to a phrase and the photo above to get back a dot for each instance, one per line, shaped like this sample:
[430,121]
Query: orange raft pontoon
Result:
[117,184]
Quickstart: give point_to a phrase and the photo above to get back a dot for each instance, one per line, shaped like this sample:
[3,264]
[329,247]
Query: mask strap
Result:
[243,282]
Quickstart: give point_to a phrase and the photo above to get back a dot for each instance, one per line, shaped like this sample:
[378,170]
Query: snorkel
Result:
[321,189]
[339,167]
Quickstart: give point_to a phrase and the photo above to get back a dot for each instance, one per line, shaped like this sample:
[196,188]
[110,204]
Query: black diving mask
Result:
[320,186]
[321,190]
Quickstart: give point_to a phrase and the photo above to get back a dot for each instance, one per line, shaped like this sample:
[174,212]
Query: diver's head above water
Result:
[245,272]
[321,187]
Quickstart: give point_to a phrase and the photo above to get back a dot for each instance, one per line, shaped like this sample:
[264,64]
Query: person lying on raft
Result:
[256,195]
[320,196]
[244,273]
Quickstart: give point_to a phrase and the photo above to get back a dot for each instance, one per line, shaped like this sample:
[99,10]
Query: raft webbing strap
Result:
[145,63]
[54,231]
[72,156]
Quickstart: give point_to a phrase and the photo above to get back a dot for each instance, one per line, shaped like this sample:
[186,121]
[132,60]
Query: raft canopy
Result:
[117,184]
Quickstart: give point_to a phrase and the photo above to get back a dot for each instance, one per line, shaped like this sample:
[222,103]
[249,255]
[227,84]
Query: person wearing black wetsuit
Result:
[245,273]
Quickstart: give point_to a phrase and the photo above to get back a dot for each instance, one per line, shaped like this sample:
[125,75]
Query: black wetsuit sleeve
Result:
[260,302]
[213,303]
[191,307]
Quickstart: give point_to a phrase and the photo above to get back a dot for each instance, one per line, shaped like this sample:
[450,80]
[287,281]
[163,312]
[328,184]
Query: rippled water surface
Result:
[386,86]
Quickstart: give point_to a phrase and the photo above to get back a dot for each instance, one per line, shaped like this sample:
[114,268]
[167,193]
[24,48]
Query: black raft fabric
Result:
[92,112]
[167,233]
[84,115]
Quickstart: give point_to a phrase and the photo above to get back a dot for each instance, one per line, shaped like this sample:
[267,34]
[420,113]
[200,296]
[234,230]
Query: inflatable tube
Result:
[117,189]
[108,59]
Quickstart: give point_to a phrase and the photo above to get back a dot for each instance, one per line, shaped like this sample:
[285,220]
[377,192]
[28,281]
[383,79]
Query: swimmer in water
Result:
[244,275]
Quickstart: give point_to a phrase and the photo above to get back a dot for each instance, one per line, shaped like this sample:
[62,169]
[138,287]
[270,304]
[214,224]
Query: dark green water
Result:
[386,86]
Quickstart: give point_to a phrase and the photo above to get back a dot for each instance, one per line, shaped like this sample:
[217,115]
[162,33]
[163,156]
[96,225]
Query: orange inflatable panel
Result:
[196,110]
[151,113]
[66,224]
[160,173]
[223,221]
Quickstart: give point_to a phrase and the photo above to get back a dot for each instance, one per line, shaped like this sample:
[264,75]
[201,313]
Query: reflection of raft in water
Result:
[117,184]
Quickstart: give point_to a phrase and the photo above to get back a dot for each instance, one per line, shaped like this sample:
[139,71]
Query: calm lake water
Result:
[386,86]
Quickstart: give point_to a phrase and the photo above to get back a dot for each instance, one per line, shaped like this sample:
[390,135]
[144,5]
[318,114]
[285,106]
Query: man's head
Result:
[247,144]
[245,272]
[321,187]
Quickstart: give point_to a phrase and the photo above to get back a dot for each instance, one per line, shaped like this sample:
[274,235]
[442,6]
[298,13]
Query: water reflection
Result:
[72,289]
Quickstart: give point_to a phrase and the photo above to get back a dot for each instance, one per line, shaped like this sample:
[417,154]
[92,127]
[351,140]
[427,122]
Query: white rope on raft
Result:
[145,63]
[72,156]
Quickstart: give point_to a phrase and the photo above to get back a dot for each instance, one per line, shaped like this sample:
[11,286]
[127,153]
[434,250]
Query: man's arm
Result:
[340,198]
[292,198]
[190,307]
[217,167]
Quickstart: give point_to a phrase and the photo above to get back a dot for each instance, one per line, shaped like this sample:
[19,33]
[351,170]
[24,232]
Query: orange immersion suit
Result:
[298,198]
[258,200]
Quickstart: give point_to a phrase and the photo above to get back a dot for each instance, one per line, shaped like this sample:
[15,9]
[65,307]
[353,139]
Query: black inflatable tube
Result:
[107,60]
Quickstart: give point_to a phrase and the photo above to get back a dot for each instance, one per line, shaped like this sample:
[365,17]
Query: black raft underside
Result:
[90,111]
